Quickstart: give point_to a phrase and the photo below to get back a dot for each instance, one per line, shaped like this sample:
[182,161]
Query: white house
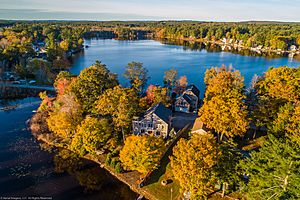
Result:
[156,121]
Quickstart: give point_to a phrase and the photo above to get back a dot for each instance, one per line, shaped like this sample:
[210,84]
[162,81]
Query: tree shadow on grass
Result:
[161,170]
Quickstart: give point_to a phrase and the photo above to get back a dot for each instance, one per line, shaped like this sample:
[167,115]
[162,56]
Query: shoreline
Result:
[233,46]
[123,177]
[127,177]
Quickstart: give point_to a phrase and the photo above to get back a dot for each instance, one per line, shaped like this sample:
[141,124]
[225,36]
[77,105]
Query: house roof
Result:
[161,111]
[198,125]
[194,89]
[187,98]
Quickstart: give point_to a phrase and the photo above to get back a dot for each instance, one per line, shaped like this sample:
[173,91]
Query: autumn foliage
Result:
[224,109]
[121,104]
[92,135]
[193,162]
[281,83]
[155,95]
[65,116]
[142,153]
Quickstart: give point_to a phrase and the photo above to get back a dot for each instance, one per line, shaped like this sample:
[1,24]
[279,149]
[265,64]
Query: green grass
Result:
[164,192]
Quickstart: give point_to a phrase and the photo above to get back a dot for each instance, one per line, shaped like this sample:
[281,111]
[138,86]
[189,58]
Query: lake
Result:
[158,57]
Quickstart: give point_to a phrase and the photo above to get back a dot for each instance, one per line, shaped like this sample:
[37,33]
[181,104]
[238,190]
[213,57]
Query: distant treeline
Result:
[24,39]
[274,35]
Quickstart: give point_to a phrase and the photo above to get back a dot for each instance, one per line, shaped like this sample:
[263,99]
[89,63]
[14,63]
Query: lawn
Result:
[164,192]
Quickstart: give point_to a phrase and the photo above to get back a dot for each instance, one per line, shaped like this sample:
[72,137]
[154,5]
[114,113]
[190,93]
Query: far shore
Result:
[232,45]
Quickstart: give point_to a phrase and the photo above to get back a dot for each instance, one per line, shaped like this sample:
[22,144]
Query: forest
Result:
[38,51]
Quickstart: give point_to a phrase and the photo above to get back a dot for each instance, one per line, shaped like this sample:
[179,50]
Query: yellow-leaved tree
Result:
[221,80]
[226,115]
[65,45]
[288,122]
[278,91]
[119,103]
[91,135]
[142,153]
[224,109]
[65,116]
[281,83]
[193,163]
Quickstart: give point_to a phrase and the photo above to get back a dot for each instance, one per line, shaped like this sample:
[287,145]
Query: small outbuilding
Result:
[199,127]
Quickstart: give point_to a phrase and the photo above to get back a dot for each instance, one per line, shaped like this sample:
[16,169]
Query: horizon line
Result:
[151,20]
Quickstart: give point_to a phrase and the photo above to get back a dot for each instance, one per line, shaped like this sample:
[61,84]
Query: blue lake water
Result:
[158,57]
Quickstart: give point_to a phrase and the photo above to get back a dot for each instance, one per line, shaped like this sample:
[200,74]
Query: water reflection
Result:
[211,47]
[90,176]
[27,170]
[86,173]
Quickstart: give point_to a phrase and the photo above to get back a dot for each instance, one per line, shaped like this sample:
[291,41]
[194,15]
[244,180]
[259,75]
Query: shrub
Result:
[113,162]
[108,159]
[119,168]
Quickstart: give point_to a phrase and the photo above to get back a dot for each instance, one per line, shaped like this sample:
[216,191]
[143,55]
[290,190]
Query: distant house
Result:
[189,100]
[156,121]
[293,48]
[35,48]
[198,127]
[259,47]
[224,40]
[39,47]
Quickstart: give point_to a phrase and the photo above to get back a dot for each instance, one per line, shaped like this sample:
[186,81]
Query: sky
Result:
[201,10]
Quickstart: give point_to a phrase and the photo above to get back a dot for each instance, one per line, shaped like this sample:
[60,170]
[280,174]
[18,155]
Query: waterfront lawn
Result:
[161,192]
